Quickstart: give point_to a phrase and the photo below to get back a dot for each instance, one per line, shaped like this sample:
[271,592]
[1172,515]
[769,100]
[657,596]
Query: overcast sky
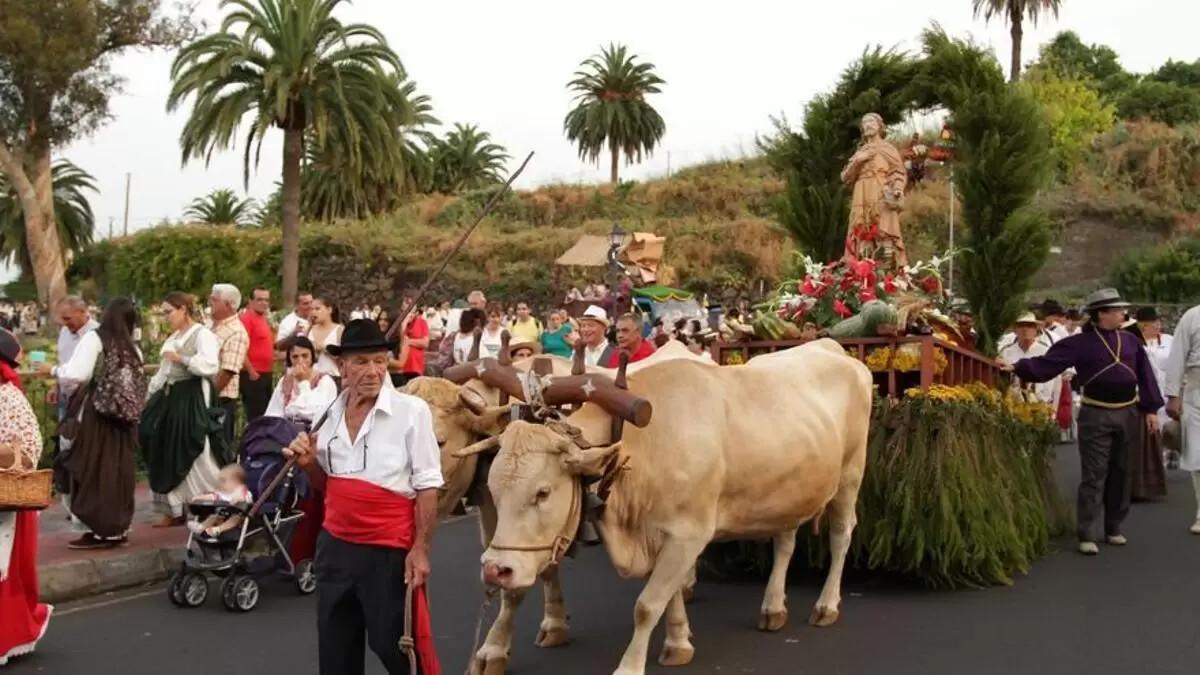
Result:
[728,67]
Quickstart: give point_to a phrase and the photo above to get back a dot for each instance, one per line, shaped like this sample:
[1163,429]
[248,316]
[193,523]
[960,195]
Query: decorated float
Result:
[959,489]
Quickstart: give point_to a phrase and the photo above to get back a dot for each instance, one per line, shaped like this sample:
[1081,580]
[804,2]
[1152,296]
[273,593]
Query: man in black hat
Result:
[1054,319]
[376,459]
[1120,394]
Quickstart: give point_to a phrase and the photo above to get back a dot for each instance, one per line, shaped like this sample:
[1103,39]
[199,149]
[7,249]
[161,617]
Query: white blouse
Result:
[307,402]
[82,366]
[326,363]
[204,363]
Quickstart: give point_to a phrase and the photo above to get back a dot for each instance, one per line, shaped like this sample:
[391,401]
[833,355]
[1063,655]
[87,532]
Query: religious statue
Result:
[878,175]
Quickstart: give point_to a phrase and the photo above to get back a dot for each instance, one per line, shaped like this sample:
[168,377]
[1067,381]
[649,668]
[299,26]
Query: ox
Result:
[742,452]
[462,414]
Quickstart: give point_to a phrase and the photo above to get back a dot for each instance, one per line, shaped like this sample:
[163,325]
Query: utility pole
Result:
[110,222]
[125,229]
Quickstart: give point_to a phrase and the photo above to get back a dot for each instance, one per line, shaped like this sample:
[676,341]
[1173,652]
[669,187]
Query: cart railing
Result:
[962,366]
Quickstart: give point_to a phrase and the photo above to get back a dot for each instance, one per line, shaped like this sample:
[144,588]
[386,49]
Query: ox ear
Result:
[590,462]
[491,420]
[490,443]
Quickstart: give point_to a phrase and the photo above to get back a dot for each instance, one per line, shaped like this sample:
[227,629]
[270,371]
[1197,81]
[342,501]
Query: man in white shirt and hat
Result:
[593,332]
[1026,344]
[377,462]
[1182,389]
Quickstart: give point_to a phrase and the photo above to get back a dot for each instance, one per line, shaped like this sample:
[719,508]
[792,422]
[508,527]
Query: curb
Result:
[76,579]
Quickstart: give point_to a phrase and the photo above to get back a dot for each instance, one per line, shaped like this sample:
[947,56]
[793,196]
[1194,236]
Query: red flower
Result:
[889,284]
[809,288]
[931,285]
[841,309]
[848,281]
[863,268]
[866,295]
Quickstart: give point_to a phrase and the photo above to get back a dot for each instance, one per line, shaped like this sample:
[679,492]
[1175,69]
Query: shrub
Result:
[1074,112]
[1164,102]
[1167,273]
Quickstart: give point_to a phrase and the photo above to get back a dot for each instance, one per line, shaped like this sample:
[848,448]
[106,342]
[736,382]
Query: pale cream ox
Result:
[462,414]
[741,452]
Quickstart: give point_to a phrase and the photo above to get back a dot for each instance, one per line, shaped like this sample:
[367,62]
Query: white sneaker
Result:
[1195,529]
[1116,540]
[1088,548]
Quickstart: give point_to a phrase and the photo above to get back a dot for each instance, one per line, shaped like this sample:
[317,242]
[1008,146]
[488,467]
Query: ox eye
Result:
[543,494]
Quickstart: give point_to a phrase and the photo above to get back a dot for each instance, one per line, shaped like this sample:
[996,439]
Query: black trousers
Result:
[360,599]
[256,394]
[230,405]
[1105,437]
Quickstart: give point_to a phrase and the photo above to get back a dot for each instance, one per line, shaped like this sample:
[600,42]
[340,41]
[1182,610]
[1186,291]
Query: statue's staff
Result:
[487,208]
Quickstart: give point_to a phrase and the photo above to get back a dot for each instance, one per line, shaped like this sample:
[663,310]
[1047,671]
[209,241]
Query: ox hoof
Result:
[551,637]
[492,666]
[823,616]
[689,593]
[676,655]
[772,621]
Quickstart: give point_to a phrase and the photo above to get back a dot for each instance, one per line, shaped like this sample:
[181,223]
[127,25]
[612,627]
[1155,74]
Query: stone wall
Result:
[1089,247]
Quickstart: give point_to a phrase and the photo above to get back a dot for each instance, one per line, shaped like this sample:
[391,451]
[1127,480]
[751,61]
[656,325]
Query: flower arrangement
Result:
[831,292]
[1030,412]
[906,359]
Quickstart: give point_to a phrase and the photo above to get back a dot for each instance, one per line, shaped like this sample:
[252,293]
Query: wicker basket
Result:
[25,490]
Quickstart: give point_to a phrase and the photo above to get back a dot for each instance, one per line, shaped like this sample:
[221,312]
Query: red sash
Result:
[1065,411]
[365,513]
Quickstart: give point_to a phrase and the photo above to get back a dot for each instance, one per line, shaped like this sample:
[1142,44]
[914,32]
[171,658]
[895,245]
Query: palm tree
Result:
[287,64]
[1015,11]
[331,190]
[221,207]
[71,210]
[611,107]
[466,159]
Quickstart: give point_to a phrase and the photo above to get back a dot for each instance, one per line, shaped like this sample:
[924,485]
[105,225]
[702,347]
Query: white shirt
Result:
[489,344]
[325,363]
[80,369]
[204,363]
[1046,392]
[1185,353]
[396,447]
[591,355]
[68,342]
[291,325]
[463,342]
[307,403]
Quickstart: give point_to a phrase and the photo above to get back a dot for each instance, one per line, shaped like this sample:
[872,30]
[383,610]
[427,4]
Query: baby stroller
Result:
[259,545]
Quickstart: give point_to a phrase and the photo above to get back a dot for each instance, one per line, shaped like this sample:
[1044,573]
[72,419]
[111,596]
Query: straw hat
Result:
[1027,319]
[524,344]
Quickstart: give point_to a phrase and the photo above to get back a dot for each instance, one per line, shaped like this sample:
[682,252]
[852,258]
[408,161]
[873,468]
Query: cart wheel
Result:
[240,593]
[175,589]
[306,577]
[193,589]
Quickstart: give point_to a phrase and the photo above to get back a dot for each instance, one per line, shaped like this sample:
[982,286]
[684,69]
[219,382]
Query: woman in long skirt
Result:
[100,457]
[181,430]
[23,620]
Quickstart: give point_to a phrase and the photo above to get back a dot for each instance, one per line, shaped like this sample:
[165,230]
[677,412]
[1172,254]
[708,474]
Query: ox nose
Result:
[496,575]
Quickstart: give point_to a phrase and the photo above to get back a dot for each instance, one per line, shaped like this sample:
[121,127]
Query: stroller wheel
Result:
[193,589]
[306,577]
[175,589]
[240,593]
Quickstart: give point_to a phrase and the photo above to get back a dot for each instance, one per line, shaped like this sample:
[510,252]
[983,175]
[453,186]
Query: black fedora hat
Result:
[1051,307]
[362,335]
[1146,314]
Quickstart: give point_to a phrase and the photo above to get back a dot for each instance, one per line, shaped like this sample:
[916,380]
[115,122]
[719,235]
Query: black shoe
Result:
[90,542]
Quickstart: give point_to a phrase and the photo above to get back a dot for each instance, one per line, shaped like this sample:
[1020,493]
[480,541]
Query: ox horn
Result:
[590,462]
[490,443]
[475,403]
[601,390]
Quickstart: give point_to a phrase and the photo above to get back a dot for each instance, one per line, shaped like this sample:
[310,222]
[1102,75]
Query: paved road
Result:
[1132,610]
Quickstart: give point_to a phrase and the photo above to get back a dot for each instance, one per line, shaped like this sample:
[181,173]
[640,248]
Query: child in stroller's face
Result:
[232,490]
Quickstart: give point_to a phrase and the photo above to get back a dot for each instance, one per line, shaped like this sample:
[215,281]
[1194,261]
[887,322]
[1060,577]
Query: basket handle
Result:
[15,467]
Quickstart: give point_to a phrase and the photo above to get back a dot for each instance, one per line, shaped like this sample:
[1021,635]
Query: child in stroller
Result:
[242,541]
[232,492]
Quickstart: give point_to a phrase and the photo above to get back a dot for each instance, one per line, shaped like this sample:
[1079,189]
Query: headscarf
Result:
[9,348]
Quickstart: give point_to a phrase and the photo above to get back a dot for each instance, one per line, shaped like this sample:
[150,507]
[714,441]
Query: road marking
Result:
[107,603]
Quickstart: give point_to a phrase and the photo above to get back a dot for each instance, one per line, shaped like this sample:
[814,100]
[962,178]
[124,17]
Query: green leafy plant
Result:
[466,159]
[221,207]
[1167,273]
[1075,113]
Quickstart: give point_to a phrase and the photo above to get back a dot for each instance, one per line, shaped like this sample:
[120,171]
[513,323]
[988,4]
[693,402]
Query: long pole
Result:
[951,284]
[125,228]
[110,222]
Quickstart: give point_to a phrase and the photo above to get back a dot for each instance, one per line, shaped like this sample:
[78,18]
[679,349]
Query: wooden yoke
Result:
[490,372]
[504,360]
[598,389]
[579,362]
[473,355]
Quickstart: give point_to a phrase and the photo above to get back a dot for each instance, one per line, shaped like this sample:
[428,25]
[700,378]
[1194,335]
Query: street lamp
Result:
[615,239]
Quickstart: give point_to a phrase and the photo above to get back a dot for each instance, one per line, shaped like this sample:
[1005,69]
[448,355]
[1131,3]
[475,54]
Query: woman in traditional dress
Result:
[181,431]
[23,620]
[325,331]
[100,461]
[1147,473]
[301,396]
